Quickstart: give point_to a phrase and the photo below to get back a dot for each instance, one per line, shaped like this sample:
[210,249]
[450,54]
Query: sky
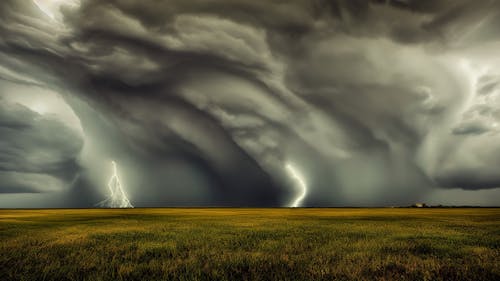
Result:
[249,103]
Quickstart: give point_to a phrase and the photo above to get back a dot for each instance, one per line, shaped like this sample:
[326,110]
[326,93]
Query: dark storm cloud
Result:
[483,115]
[471,180]
[471,128]
[37,153]
[365,97]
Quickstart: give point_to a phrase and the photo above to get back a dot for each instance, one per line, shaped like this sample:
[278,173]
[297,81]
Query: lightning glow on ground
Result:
[117,198]
[300,183]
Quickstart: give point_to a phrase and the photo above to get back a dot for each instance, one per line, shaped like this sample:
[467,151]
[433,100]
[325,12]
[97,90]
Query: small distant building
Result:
[419,205]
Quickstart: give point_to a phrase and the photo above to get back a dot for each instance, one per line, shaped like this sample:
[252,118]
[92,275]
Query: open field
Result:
[250,244]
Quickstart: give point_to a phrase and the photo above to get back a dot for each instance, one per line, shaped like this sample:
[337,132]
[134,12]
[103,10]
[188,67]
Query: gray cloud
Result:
[475,127]
[375,102]
[37,153]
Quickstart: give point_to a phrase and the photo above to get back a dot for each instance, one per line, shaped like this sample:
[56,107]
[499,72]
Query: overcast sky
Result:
[206,103]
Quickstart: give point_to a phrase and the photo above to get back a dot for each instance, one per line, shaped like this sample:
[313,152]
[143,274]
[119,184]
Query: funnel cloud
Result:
[206,103]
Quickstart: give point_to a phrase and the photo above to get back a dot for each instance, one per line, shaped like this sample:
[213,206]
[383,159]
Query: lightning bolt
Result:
[300,183]
[117,197]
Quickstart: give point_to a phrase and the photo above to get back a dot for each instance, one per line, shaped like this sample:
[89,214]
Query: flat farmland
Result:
[250,244]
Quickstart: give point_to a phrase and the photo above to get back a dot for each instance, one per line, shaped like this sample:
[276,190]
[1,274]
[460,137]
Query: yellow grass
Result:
[250,244]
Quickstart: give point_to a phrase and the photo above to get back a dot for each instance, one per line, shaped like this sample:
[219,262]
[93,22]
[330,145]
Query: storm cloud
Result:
[206,102]
[38,153]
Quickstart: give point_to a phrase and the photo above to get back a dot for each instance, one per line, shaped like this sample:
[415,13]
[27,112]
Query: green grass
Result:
[250,244]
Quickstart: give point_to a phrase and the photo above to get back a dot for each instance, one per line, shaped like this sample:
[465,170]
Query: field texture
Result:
[250,244]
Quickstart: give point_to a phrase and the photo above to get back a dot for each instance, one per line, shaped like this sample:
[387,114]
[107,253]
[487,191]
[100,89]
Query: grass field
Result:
[250,244]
